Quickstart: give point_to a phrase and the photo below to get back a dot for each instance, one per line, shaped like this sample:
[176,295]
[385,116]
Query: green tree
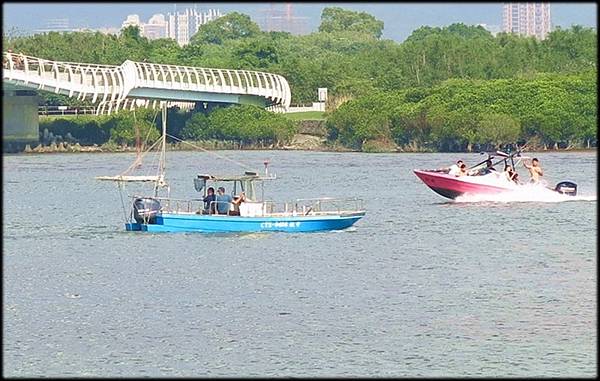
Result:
[232,26]
[124,124]
[165,51]
[259,53]
[335,19]
[198,128]
[497,129]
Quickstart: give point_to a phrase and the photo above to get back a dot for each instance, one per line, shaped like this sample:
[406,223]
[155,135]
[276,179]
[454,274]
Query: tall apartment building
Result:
[527,19]
[182,26]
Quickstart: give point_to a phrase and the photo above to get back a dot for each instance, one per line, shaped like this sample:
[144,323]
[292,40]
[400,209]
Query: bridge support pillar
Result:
[20,120]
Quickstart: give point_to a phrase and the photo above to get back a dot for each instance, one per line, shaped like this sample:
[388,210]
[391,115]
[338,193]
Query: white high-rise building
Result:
[527,19]
[182,26]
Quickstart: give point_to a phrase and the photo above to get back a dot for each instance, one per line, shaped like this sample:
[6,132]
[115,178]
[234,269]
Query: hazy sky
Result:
[400,19]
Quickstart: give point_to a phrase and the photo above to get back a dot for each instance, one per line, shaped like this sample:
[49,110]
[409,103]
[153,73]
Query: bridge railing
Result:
[66,110]
[216,80]
[110,83]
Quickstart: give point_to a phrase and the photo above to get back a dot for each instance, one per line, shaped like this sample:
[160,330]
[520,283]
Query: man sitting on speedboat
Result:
[455,168]
[480,169]
[511,174]
[463,170]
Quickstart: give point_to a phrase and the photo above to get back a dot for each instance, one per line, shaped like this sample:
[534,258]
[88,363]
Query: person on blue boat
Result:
[209,204]
[224,201]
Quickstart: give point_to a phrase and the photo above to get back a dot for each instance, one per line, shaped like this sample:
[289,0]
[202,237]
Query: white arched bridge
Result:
[142,84]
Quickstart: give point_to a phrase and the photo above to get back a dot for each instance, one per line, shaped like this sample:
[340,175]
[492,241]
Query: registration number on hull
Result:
[283,224]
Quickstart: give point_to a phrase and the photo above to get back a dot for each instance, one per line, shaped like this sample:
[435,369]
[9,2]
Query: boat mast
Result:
[163,154]
[138,143]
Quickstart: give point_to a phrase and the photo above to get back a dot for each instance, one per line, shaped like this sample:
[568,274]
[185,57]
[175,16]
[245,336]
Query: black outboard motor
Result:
[566,187]
[145,210]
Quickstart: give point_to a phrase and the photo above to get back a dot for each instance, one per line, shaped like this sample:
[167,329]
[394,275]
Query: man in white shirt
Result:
[455,168]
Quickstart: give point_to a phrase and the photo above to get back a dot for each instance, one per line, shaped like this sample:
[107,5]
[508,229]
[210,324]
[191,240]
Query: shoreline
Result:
[76,148]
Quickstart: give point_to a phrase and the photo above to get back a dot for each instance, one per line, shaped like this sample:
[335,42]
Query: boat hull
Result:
[171,222]
[451,186]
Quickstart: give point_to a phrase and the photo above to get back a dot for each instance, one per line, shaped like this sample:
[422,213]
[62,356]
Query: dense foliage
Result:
[122,128]
[458,114]
[245,124]
[457,81]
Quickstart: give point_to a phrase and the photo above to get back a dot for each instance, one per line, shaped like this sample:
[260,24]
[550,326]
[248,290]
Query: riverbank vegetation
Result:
[442,89]
[548,111]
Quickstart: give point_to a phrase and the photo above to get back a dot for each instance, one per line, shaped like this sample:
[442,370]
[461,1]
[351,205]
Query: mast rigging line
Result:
[141,156]
[212,153]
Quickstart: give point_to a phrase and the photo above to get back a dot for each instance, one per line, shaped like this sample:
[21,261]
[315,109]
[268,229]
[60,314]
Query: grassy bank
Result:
[308,115]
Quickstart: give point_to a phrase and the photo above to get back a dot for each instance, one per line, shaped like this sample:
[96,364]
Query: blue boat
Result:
[244,209]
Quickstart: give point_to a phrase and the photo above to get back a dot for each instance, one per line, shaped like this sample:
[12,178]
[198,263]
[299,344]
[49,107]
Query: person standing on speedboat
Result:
[535,171]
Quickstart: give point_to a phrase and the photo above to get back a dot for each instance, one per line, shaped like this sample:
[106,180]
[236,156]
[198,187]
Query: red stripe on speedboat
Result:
[451,186]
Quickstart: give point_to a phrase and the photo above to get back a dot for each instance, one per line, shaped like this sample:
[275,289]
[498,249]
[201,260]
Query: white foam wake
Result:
[527,193]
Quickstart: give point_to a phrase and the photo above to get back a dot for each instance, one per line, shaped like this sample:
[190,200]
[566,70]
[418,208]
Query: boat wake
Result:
[528,193]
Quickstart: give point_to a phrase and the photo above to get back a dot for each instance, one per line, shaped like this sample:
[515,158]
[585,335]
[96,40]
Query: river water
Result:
[420,287]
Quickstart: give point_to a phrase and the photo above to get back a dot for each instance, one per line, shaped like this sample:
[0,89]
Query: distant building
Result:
[277,19]
[180,26]
[493,29]
[527,19]
[56,25]
[132,20]
[157,27]
[108,30]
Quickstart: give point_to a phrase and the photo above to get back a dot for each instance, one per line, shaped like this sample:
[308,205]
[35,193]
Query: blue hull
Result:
[224,224]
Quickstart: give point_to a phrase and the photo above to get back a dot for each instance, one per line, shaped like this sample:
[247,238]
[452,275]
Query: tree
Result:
[124,127]
[197,128]
[165,51]
[133,46]
[256,54]
[229,27]
[335,19]
[497,129]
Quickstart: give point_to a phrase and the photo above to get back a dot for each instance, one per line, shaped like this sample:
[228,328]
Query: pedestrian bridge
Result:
[143,84]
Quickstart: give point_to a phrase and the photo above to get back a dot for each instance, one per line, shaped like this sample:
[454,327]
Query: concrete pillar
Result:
[20,120]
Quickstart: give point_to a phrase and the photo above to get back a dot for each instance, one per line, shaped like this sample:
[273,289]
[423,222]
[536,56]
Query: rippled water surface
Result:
[419,287]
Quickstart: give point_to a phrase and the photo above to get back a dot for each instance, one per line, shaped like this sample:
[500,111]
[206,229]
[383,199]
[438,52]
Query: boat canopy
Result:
[245,177]
[124,178]
[241,183]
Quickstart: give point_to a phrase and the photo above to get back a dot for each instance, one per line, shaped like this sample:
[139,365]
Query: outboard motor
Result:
[145,210]
[566,187]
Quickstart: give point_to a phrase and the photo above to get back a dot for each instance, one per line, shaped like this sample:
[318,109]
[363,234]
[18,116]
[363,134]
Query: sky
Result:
[400,19]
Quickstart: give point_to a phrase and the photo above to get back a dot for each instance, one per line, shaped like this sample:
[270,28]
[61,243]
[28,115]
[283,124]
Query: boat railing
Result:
[300,206]
[328,205]
[179,205]
[314,206]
